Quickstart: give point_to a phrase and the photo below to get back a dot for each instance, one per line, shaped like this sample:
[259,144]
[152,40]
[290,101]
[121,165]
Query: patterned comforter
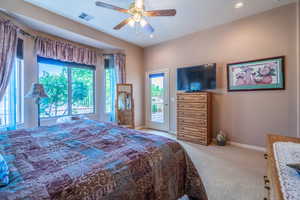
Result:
[94,160]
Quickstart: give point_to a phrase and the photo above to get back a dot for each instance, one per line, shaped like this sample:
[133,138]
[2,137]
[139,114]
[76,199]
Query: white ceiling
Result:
[192,15]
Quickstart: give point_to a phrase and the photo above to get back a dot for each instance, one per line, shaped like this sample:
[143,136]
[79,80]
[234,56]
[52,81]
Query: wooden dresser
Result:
[194,117]
[272,182]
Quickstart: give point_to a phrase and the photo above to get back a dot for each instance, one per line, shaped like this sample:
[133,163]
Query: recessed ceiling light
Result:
[239,5]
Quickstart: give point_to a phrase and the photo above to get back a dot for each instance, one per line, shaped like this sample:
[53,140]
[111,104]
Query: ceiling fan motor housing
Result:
[136,12]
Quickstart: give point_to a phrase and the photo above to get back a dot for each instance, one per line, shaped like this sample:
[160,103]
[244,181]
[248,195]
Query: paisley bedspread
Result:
[94,160]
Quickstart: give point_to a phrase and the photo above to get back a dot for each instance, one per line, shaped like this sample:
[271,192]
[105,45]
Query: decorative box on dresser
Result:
[272,182]
[194,111]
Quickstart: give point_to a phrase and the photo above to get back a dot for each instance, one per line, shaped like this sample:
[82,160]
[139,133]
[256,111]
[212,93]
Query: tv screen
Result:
[198,78]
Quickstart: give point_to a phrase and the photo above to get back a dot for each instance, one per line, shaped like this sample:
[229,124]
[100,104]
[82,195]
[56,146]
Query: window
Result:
[12,104]
[110,84]
[157,97]
[70,88]
[82,91]
[108,95]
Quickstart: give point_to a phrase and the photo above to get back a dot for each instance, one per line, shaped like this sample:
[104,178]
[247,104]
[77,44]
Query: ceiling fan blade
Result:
[149,28]
[109,6]
[154,13]
[123,23]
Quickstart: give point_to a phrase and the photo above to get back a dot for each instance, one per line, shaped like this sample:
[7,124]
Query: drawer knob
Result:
[266,180]
[267,188]
[266,156]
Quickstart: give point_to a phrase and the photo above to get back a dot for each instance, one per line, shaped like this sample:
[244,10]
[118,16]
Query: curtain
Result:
[8,48]
[10,113]
[64,51]
[115,64]
[12,101]
[110,67]
[120,63]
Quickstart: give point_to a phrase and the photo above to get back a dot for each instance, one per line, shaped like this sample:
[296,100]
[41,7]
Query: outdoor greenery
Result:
[82,90]
[156,94]
[56,86]
[108,90]
[156,91]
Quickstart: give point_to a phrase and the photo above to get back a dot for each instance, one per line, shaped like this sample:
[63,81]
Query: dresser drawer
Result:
[192,130]
[191,115]
[192,98]
[192,106]
[192,123]
[192,138]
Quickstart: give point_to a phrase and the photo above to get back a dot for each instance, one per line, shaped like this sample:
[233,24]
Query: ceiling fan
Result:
[138,14]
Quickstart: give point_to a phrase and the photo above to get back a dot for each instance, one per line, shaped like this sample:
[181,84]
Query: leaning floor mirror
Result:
[125,106]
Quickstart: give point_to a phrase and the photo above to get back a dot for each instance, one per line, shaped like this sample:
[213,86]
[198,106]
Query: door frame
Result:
[149,124]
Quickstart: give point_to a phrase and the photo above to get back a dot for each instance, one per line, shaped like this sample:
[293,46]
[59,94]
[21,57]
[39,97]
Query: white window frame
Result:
[20,92]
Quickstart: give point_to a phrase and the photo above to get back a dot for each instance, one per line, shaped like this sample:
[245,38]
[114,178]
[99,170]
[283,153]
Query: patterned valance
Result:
[64,51]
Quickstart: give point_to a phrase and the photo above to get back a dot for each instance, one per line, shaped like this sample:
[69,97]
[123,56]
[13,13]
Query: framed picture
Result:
[263,74]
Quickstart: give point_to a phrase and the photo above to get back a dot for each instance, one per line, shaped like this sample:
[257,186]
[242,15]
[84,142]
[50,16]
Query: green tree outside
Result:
[56,86]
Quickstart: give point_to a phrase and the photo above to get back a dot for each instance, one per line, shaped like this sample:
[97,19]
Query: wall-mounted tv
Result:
[197,78]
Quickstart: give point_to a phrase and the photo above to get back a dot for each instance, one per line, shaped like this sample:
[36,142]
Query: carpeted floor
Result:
[228,173]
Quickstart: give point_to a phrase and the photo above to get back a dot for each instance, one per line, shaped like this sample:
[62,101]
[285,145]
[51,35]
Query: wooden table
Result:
[272,182]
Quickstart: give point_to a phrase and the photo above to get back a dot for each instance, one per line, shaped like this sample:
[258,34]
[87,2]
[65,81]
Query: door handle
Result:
[166,104]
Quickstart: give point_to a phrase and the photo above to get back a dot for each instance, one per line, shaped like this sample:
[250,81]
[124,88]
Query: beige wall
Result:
[134,63]
[246,116]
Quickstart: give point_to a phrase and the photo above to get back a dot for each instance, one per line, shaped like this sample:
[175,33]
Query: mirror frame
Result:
[132,124]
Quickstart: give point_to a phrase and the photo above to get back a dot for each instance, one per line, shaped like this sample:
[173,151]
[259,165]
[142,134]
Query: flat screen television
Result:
[197,78]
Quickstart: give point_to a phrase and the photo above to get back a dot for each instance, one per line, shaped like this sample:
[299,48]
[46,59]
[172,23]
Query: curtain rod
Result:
[26,33]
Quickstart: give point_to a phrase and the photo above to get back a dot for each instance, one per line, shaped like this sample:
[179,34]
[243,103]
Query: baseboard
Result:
[145,127]
[140,127]
[247,146]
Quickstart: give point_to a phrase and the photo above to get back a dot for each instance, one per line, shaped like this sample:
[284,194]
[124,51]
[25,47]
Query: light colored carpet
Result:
[228,173]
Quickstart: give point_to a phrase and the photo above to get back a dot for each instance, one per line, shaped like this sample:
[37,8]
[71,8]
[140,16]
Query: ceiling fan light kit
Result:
[138,14]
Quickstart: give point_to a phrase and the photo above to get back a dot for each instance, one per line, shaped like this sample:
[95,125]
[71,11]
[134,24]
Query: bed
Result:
[91,160]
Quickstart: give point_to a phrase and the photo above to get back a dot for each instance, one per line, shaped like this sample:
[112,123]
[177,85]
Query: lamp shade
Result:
[37,91]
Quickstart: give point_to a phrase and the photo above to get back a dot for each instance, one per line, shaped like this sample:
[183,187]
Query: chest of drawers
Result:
[194,117]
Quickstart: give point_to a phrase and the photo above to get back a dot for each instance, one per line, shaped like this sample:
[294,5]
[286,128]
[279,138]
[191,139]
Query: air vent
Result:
[85,16]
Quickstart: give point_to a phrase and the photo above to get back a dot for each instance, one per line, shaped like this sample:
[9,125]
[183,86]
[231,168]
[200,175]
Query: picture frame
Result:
[255,75]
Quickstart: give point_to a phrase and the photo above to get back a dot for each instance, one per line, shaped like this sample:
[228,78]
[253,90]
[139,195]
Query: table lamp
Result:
[37,92]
